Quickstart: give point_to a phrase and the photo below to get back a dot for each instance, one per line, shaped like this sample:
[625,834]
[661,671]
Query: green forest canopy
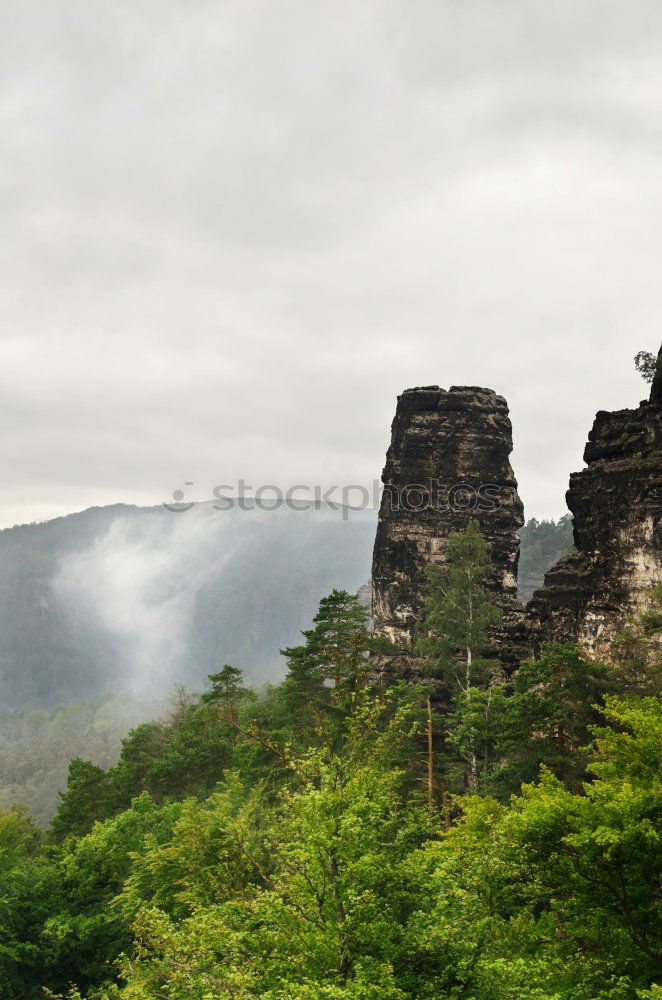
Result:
[284,845]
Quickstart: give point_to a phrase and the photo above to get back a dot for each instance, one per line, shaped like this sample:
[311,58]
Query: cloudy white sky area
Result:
[234,230]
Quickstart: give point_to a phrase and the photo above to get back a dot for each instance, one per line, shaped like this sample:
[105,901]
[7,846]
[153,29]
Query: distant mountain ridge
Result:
[122,597]
[139,598]
[542,544]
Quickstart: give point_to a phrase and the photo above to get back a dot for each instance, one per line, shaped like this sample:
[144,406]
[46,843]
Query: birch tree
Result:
[453,636]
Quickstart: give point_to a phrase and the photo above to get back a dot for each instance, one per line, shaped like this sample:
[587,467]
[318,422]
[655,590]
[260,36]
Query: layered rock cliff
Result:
[448,463]
[616,503]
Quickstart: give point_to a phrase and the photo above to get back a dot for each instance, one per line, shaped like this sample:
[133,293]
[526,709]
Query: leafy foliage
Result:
[59,667]
[326,673]
[453,640]
[637,650]
[547,718]
[280,846]
[646,365]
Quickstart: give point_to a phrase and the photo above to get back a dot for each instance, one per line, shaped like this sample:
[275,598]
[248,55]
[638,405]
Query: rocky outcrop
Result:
[448,463]
[616,502]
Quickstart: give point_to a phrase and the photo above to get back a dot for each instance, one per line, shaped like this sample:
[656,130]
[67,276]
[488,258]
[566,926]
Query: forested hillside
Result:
[468,835]
[542,543]
[138,599]
[123,597]
[126,598]
[36,746]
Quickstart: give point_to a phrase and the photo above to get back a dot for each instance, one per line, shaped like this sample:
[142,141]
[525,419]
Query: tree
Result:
[227,692]
[321,913]
[86,799]
[556,895]
[19,837]
[646,365]
[342,885]
[327,672]
[636,652]
[57,921]
[454,633]
[548,717]
[598,856]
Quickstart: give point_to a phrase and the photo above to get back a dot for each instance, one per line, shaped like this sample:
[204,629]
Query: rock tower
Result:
[616,503]
[448,463]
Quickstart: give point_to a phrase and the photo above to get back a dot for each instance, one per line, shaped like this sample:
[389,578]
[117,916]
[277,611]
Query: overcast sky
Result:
[234,231]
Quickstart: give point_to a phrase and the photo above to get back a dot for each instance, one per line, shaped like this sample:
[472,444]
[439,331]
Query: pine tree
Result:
[227,691]
[548,718]
[328,670]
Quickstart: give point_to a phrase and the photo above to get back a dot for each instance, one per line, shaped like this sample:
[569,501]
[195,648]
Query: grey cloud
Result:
[234,232]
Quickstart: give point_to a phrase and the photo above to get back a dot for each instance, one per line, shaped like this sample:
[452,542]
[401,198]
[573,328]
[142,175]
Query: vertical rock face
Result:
[616,502]
[448,463]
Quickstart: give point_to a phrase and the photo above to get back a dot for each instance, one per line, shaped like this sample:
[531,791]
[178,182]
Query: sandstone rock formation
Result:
[448,463]
[616,502]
